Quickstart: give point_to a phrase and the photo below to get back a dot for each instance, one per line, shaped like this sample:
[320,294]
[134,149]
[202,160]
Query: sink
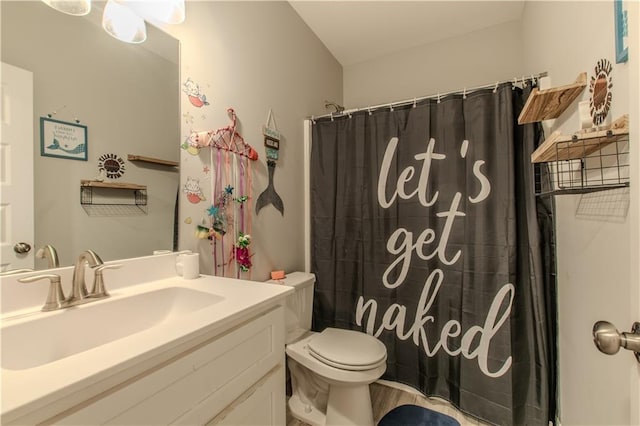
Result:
[42,339]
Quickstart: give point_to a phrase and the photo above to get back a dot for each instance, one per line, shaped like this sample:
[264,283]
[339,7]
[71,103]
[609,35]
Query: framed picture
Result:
[63,140]
[622,31]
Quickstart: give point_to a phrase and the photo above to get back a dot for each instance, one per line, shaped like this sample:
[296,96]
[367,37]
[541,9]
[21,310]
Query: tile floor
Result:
[385,398]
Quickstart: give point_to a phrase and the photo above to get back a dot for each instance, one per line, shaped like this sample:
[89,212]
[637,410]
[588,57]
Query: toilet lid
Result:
[347,349]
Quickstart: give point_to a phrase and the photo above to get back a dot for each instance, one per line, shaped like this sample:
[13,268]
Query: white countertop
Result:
[59,385]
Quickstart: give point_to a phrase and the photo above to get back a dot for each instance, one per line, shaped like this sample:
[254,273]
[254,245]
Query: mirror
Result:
[127,96]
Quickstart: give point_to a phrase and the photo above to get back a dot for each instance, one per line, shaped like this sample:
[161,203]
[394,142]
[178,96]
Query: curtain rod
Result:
[532,77]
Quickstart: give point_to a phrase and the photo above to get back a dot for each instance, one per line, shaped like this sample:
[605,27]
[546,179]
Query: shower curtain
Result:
[425,234]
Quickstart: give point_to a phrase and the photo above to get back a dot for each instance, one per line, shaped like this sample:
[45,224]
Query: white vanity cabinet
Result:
[233,377]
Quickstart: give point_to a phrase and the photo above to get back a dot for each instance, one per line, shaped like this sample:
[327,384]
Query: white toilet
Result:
[330,371]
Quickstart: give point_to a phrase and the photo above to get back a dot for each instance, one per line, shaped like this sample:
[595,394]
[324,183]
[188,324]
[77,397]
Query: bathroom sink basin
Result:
[42,339]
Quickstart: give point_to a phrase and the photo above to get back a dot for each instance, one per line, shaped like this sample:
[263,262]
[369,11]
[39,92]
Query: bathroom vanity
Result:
[159,350]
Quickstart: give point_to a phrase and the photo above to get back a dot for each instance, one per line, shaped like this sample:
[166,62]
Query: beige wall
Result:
[474,59]
[253,56]
[593,253]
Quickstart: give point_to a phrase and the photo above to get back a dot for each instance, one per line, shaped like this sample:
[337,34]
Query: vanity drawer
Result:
[262,404]
[218,372]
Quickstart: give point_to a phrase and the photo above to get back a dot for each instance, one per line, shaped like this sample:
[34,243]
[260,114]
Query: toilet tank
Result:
[299,305]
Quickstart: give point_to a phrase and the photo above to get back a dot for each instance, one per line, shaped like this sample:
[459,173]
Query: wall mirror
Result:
[127,96]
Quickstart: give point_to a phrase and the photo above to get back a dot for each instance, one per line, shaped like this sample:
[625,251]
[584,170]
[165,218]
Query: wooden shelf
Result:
[550,103]
[141,158]
[581,144]
[115,185]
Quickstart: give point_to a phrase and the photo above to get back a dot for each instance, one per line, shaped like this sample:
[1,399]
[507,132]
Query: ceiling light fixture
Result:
[70,7]
[166,11]
[125,19]
[123,23]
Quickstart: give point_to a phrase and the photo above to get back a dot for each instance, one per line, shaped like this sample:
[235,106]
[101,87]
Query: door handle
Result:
[22,248]
[609,340]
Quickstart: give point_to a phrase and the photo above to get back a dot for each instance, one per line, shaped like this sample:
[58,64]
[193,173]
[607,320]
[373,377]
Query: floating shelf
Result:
[581,144]
[151,160]
[550,103]
[587,161]
[115,185]
[113,198]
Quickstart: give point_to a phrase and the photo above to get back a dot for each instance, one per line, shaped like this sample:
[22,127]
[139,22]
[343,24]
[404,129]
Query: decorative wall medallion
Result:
[112,165]
[600,89]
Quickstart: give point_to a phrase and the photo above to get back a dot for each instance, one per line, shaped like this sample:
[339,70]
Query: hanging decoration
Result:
[272,147]
[228,224]
[600,89]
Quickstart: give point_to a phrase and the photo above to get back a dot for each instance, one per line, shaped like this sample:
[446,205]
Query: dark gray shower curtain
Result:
[425,234]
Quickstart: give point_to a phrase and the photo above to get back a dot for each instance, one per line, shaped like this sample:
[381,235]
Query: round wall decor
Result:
[112,165]
[600,88]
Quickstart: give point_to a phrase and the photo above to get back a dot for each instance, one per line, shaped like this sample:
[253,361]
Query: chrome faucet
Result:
[49,252]
[79,287]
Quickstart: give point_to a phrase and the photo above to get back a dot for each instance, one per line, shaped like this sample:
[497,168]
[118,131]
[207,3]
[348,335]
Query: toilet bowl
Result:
[331,370]
[331,373]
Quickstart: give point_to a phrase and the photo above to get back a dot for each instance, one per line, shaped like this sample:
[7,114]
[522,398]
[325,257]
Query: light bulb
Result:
[123,23]
[70,7]
[167,11]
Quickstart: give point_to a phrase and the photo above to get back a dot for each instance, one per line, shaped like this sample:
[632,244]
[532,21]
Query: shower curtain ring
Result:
[438,97]
[464,93]
[495,89]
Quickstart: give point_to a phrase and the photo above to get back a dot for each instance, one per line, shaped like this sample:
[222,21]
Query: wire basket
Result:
[585,165]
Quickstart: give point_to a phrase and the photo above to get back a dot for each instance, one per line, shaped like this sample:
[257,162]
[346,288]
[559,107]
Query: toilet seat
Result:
[347,349]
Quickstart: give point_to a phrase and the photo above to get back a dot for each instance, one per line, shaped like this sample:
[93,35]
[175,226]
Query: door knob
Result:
[22,248]
[609,340]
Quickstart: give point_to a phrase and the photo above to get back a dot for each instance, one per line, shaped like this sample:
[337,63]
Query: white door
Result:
[16,169]
[619,375]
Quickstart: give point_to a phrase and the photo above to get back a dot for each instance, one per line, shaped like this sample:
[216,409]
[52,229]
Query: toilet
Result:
[331,370]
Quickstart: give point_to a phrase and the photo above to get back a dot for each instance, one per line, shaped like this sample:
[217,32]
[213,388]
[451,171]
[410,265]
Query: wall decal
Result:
[190,145]
[193,191]
[195,95]
[188,118]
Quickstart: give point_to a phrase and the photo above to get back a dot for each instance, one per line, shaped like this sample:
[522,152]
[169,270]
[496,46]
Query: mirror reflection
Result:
[126,96]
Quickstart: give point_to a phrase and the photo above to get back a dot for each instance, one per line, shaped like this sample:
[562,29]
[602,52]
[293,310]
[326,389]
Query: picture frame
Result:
[621,30]
[61,139]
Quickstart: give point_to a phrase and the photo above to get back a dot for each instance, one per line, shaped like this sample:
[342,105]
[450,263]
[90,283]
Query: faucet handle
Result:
[98,289]
[55,298]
